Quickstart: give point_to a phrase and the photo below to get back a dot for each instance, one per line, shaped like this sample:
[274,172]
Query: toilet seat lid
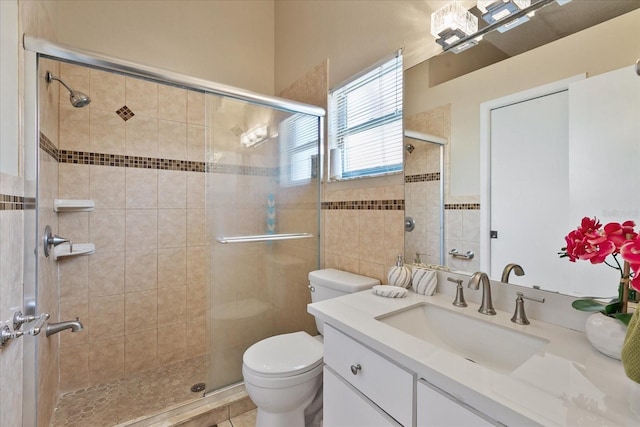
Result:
[284,355]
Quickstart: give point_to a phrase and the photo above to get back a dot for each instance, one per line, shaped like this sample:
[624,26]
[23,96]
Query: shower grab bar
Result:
[264,238]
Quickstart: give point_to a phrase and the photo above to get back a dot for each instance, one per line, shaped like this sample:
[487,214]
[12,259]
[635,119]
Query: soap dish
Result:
[389,291]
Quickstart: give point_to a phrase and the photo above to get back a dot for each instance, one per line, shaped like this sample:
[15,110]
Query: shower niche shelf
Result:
[64,250]
[73,205]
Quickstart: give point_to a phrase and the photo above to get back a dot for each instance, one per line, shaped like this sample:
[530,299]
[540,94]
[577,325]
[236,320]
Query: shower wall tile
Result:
[107,90]
[74,225]
[106,273]
[79,78]
[140,351]
[141,229]
[195,142]
[196,227]
[172,228]
[107,229]
[107,187]
[106,317]
[141,311]
[172,139]
[106,360]
[196,337]
[141,270]
[74,277]
[141,188]
[74,367]
[172,188]
[195,190]
[74,128]
[142,97]
[172,267]
[195,108]
[73,181]
[172,103]
[196,294]
[172,306]
[107,132]
[151,262]
[142,136]
[197,264]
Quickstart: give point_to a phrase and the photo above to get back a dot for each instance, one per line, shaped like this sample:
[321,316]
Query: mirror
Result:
[452,110]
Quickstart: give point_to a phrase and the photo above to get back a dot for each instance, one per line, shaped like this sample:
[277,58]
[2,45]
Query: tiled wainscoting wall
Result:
[142,295]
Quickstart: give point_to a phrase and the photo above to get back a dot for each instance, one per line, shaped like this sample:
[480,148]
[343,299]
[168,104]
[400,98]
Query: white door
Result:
[530,189]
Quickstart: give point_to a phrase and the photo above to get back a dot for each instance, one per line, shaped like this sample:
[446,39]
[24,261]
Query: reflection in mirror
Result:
[424,198]
[605,47]
[550,23]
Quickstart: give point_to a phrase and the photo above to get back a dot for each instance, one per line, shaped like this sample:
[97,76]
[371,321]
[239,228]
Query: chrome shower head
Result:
[78,99]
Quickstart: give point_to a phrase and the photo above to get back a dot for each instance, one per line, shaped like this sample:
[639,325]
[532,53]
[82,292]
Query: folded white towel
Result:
[424,281]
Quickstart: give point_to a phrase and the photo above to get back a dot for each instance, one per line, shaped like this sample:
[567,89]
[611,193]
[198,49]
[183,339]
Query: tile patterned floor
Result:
[141,394]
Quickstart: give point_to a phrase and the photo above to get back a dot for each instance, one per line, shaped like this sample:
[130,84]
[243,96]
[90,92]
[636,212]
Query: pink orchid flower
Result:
[630,252]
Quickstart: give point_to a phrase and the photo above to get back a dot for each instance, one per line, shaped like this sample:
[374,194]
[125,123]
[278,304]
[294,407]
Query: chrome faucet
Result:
[474,283]
[54,328]
[507,270]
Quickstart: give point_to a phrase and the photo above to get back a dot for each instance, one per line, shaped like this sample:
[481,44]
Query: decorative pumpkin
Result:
[399,274]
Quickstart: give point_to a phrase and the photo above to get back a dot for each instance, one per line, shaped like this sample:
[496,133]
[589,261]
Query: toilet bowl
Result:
[283,374]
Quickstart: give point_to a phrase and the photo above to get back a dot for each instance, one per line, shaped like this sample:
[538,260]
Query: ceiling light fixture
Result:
[451,23]
[456,29]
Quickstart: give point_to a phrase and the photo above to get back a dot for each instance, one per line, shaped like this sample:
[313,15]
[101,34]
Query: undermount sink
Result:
[492,346]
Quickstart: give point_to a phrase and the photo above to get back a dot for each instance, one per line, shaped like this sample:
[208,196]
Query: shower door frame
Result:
[36,48]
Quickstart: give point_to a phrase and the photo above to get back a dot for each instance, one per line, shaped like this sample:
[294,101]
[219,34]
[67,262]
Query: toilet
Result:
[283,374]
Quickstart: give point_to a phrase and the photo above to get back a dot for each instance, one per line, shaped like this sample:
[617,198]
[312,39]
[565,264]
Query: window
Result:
[365,122]
[299,149]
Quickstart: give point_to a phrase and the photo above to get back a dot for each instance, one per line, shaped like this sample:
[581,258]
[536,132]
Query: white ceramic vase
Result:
[606,334]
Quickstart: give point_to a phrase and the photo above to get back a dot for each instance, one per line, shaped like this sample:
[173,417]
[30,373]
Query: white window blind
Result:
[365,121]
[299,140]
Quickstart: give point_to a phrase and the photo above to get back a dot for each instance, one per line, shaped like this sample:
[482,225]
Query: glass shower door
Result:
[262,209]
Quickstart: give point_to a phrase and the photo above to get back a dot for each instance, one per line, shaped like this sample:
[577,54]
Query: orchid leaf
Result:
[623,317]
[588,305]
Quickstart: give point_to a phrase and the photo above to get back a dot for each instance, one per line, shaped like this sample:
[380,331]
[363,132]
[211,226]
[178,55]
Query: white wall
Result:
[351,34]
[605,47]
[230,42]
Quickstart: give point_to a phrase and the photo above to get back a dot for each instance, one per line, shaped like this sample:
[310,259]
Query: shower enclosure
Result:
[205,226]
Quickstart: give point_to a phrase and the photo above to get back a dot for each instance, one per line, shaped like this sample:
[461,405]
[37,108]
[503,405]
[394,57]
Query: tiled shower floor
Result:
[140,394]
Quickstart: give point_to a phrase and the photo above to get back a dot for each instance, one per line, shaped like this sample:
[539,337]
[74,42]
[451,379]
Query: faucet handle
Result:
[459,300]
[519,316]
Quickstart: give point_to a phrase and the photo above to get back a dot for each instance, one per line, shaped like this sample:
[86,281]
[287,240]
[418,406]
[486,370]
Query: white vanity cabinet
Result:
[436,407]
[370,377]
[345,406]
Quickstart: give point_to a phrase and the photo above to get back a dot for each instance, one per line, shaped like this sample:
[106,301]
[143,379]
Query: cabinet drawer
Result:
[344,406]
[382,381]
[438,408]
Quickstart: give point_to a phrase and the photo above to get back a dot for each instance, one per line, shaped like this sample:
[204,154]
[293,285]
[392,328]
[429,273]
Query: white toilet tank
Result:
[332,283]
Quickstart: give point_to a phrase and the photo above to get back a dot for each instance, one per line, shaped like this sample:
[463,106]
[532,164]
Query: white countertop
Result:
[567,383]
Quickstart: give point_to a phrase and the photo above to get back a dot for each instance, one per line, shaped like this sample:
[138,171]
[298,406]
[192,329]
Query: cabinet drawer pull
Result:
[355,369]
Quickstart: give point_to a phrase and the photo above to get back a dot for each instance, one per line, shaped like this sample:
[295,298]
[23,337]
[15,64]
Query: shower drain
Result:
[197,387]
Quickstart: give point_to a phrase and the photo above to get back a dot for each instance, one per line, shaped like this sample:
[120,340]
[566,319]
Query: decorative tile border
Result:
[48,147]
[462,206]
[434,176]
[373,205]
[16,203]
[120,160]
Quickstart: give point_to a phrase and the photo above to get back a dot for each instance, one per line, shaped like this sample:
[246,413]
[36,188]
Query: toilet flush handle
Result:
[311,288]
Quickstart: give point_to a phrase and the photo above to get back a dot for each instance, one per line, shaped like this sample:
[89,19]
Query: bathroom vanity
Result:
[420,361]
